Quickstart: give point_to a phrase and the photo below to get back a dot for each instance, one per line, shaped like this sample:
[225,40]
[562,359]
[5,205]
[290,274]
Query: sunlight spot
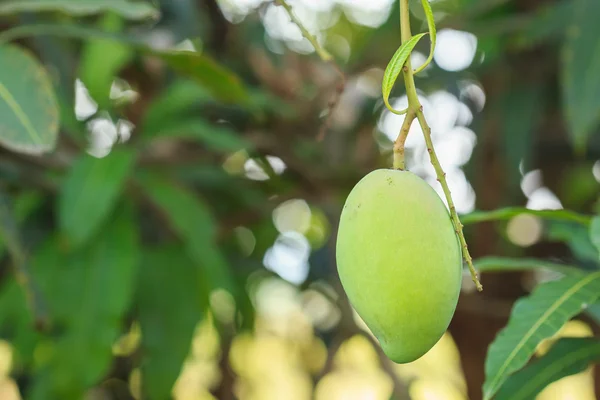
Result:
[124,129]
[371,13]
[531,182]
[390,123]
[256,172]
[340,46]
[6,358]
[543,199]
[463,194]
[235,163]
[292,216]
[275,298]
[455,147]
[102,136]
[524,230]
[369,82]
[246,240]
[223,306]
[85,106]
[236,10]
[417,59]
[323,313]
[289,257]
[455,50]
[474,92]
[121,92]
[465,116]
[445,107]
[596,171]
[160,39]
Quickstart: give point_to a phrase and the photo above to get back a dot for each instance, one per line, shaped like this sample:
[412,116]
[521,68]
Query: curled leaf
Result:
[394,67]
[432,33]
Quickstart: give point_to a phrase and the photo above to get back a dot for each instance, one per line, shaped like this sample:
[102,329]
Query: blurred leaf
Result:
[520,114]
[17,322]
[594,312]
[580,81]
[191,218]
[533,319]
[595,232]
[90,191]
[102,60]
[172,103]
[547,21]
[170,306]
[395,65]
[578,186]
[510,212]
[576,236]
[215,137]
[474,8]
[11,238]
[502,264]
[26,202]
[89,292]
[28,107]
[568,356]
[204,70]
[17,211]
[222,83]
[127,9]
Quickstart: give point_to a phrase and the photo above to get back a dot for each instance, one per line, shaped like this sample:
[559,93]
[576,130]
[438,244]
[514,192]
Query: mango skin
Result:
[399,261]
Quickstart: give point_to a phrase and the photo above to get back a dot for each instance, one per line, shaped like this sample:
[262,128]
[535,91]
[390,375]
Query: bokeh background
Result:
[494,97]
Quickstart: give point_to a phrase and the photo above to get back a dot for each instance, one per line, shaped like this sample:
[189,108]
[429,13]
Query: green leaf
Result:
[10,237]
[547,22]
[28,107]
[395,65]
[102,60]
[510,212]
[126,9]
[594,312]
[595,232]
[193,221]
[568,356]
[502,264]
[576,236]
[204,70]
[223,83]
[533,319]
[520,114]
[169,106]
[580,80]
[169,306]
[17,321]
[90,191]
[432,33]
[215,137]
[89,292]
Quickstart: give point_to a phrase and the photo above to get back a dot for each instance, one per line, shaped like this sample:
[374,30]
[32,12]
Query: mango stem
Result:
[416,109]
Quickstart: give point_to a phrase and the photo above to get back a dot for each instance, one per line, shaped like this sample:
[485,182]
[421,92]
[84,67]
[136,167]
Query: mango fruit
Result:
[399,261]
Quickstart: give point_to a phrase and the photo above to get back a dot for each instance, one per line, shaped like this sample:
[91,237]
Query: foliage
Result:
[160,206]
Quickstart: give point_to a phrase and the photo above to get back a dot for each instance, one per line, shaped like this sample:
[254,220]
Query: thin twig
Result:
[399,162]
[441,177]
[333,103]
[325,57]
[323,54]
[415,106]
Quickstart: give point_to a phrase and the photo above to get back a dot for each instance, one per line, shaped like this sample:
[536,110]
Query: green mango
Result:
[399,260]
